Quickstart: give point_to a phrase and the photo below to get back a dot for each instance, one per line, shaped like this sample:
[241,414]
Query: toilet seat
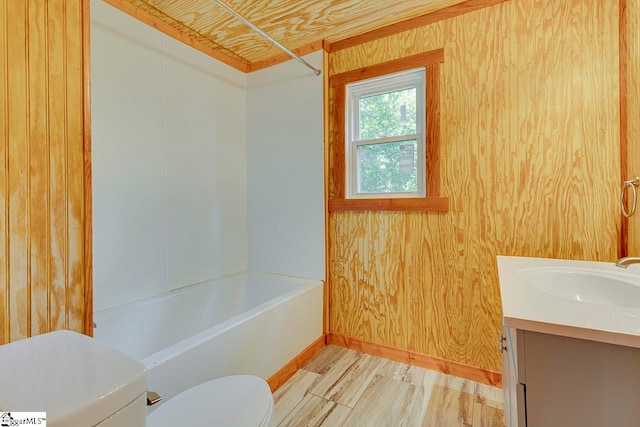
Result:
[234,401]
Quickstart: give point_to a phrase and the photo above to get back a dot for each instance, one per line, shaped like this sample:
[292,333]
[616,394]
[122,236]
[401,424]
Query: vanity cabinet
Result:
[551,380]
[512,384]
[570,342]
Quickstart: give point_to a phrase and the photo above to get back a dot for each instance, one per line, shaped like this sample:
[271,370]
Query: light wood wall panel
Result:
[530,162]
[371,254]
[43,207]
[4,183]
[633,111]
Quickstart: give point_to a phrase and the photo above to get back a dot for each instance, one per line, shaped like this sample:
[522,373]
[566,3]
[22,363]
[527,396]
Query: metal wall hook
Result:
[633,185]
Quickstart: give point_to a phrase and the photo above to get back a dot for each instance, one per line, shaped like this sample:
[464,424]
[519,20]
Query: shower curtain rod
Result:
[266,36]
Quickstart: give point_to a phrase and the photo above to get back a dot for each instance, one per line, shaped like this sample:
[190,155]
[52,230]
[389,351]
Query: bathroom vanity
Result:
[570,343]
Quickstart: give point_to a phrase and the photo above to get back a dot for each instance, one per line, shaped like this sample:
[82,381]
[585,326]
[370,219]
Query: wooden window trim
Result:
[433,201]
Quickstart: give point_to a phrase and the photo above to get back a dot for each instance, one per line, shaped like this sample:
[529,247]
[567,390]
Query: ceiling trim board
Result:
[278,59]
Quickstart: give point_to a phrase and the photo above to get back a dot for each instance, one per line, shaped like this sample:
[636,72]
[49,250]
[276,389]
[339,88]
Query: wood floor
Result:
[342,387]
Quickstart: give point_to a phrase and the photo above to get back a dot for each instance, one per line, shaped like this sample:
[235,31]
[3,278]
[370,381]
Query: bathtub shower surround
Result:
[169,162]
[191,188]
[246,323]
[192,165]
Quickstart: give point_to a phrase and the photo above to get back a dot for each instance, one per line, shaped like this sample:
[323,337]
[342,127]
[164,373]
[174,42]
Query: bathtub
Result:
[248,323]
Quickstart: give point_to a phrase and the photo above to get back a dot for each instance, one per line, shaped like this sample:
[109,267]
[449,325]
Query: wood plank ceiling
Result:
[300,25]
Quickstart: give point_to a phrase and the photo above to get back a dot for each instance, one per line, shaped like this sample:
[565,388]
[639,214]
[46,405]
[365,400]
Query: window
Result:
[385,136]
[383,127]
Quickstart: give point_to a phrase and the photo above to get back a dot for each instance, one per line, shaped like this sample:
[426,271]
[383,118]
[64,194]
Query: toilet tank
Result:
[75,379]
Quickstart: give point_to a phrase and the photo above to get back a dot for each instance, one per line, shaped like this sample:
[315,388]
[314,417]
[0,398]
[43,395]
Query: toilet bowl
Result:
[240,400]
[79,382]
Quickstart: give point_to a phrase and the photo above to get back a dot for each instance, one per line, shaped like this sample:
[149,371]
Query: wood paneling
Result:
[413,23]
[368,290]
[633,112]
[87,174]
[45,248]
[530,162]
[4,183]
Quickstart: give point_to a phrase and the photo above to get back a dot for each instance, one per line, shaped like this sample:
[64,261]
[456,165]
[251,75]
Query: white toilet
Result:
[79,381]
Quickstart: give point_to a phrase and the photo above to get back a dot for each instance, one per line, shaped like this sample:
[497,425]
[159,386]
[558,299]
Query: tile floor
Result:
[342,387]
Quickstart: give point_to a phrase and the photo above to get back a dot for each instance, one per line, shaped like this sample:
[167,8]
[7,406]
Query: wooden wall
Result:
[633,111]
[530,162]
[45,268]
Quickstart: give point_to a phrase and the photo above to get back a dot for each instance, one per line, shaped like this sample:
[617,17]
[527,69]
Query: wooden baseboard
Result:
[287,371]
[418,359]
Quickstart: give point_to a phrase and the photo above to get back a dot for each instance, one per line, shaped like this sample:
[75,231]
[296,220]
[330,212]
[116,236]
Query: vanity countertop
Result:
[530,289]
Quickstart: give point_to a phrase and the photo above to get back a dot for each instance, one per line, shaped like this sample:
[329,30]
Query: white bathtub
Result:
[249,323]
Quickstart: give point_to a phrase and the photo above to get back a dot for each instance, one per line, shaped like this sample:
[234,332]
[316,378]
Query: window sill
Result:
[423,204]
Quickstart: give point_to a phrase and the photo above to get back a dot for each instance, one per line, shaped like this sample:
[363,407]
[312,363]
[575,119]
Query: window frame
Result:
[406,79]
[336,173]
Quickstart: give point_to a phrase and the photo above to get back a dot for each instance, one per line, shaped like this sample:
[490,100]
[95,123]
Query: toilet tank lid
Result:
[77,380]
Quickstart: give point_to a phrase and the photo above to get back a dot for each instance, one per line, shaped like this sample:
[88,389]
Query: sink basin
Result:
[609,288]
[589,300]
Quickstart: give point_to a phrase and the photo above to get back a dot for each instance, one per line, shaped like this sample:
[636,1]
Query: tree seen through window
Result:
[385,167]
